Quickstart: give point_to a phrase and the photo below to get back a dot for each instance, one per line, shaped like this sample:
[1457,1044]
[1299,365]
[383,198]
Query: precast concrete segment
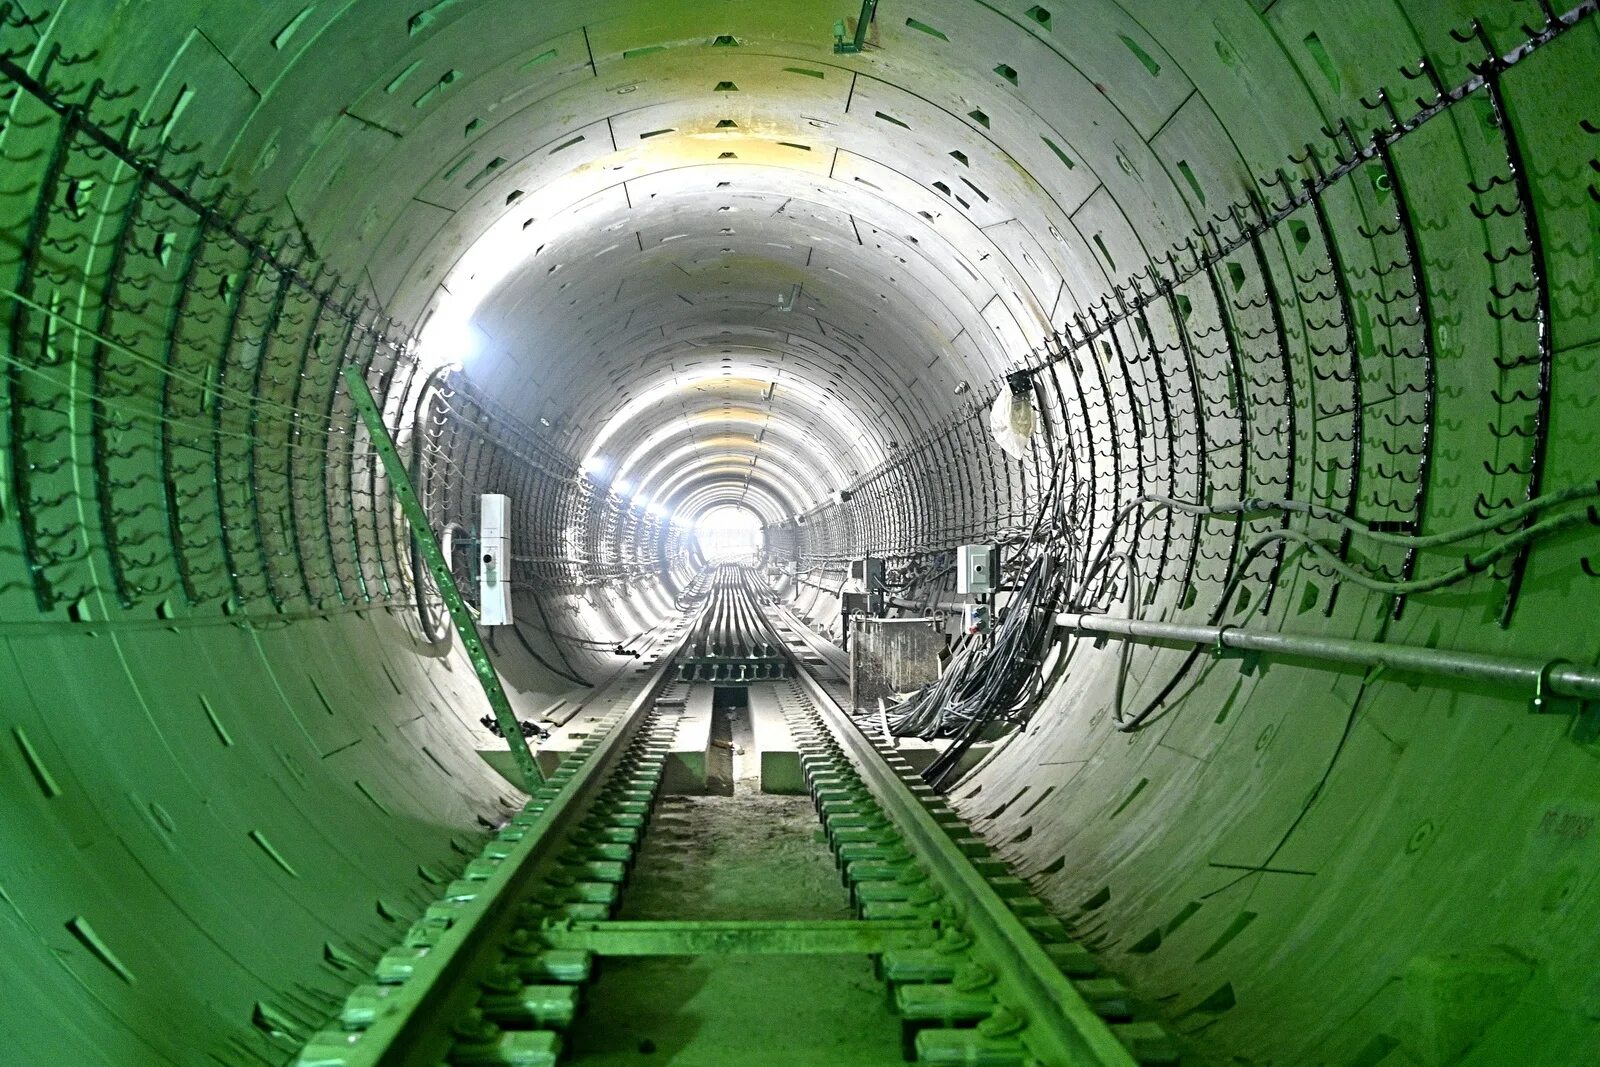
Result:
[217,699]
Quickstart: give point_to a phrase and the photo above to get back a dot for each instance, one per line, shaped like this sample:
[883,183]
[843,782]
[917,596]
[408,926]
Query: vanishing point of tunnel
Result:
[740,533]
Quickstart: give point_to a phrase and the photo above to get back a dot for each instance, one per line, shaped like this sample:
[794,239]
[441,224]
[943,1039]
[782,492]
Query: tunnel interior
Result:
[1266,316]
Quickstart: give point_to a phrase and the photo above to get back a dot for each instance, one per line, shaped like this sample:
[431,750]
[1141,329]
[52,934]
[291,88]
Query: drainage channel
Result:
[888,933]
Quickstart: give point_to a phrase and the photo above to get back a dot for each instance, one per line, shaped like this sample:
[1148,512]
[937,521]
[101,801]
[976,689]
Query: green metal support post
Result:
[869,10]
[510,729]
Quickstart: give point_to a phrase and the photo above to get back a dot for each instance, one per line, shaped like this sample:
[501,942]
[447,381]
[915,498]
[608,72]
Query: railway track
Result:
[730,641]
[510,966]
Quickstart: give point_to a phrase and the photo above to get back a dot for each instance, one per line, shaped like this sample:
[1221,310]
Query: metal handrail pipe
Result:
[1558,677]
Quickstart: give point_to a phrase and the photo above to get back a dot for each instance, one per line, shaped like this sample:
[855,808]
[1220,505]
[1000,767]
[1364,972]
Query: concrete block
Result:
[1452,999]
[779,757]
[694,765]
[889,656]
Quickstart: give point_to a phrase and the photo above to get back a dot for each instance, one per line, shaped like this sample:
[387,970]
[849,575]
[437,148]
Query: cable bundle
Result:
[995,679]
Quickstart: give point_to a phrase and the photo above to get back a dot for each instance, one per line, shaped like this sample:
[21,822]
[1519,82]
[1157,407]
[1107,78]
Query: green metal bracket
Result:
[869,8]
[510,729]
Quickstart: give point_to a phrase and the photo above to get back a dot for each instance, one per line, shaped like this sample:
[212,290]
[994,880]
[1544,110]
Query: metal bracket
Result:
[857,43]
[1249,659]
[1547,702]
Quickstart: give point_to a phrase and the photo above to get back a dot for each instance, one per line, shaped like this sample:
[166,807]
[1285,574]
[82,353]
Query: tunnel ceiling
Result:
[672,201]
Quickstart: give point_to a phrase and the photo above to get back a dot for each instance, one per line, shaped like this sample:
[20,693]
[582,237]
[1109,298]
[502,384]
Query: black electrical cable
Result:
[987,677]
[999,684]
[1083,598]
[997,678]
[433,629]
[571,672]
[992,680]
[516,628]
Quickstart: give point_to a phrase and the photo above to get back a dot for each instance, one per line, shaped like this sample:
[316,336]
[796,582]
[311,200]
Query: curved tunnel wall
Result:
[234,764]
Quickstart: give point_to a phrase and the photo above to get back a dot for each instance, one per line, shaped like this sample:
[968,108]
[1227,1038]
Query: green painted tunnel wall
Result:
[233,766]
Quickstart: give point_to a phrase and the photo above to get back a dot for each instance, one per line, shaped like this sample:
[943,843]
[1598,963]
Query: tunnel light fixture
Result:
[622,487]
[1012,419]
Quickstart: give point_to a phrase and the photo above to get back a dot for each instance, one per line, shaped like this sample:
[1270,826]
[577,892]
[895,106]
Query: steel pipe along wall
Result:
[1304,300]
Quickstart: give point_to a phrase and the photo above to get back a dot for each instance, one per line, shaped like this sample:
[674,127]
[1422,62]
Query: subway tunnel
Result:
[1267,328]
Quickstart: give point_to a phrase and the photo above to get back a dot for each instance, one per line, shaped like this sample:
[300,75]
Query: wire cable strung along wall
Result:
[193,351]
[1327,429]
[204,350]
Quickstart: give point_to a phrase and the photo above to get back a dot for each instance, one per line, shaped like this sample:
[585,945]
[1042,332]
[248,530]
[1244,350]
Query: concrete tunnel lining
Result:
[235,765]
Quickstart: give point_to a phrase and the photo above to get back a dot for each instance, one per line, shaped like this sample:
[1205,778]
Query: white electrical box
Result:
[866,575]
[494,560]
[977,568]
[975,618]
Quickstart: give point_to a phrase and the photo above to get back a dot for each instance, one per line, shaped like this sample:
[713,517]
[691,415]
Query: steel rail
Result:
[906,857]
[1060,1028]
[439,990]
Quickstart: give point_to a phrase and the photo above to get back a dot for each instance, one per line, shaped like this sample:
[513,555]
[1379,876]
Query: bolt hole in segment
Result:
[726,869]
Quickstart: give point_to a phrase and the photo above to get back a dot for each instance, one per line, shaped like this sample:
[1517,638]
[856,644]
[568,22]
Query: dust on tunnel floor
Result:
[746,856]
[768,1011]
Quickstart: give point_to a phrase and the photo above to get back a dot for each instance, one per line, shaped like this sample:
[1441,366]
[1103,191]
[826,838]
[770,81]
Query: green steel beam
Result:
[740,937]
[395,467]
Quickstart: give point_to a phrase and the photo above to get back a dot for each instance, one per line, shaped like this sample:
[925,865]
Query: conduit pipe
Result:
[1555,677]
